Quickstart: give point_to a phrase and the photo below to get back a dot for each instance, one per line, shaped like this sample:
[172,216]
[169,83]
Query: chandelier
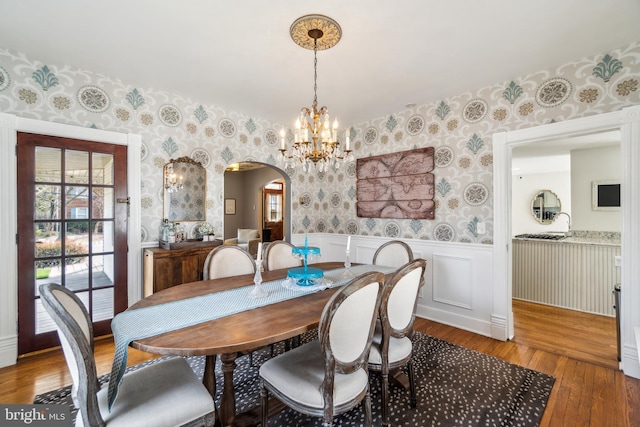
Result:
[315,138]
[172,182]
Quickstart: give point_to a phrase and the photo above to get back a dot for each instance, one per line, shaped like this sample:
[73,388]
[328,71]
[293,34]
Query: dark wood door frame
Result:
[28,340]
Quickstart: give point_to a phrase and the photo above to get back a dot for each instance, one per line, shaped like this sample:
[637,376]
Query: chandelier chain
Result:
[315,74]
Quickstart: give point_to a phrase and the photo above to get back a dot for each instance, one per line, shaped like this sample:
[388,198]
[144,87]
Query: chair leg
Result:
[264,401]
[366,403]
[385,398]
[412,384]
[210,419]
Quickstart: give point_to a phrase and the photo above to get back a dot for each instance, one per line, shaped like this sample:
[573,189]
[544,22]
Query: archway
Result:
[243,183]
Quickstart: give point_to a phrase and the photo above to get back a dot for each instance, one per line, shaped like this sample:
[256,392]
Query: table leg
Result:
[228,400]
[209,378]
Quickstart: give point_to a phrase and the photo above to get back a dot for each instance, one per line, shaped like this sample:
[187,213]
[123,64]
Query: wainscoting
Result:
[458,279]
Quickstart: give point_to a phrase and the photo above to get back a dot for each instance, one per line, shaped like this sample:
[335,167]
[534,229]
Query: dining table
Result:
[234,335]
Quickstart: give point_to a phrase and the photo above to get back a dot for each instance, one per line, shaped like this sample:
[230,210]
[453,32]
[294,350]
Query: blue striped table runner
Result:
[146,322]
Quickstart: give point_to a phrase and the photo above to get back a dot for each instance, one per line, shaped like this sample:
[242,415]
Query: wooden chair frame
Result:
[332,365]
[385,246]
[207,262]
[388,332]
[270,251]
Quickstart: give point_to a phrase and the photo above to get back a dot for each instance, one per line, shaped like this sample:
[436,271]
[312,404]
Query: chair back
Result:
[76,336]
[400,298]
[227,261]
[347,324]
[278,255]
[393,253]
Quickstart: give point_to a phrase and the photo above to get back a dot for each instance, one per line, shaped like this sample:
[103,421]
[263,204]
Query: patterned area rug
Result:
[454,386]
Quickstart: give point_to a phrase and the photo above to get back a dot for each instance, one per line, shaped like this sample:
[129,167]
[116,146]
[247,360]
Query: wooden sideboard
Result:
[164,268]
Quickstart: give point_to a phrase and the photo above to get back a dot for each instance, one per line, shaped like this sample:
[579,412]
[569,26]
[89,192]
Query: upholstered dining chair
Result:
[278,255]
[328,376]
[394,253]
[392,346]
[226,261]
[166,393]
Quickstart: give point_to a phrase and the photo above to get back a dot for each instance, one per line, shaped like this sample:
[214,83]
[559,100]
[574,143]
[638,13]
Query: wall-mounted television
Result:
[605,195]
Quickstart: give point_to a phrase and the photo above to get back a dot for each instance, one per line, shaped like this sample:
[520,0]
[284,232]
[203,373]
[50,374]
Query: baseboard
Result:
[8,351]
[457,321]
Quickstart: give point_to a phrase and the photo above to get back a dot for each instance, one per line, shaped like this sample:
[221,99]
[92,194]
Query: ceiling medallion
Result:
[304,29]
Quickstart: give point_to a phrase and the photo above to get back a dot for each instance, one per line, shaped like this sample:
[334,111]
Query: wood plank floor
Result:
[586,391]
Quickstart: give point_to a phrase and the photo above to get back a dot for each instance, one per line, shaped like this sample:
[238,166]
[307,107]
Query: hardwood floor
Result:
[582,336]
[586,393]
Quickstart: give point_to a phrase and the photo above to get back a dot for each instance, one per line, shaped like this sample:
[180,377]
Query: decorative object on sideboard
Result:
[205,230]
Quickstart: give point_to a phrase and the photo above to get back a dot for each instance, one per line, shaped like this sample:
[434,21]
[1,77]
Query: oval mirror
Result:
[185,190]
[544,206]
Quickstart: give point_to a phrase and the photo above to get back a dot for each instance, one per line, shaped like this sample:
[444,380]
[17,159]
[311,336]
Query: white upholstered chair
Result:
[392,347]
[329,376]
[227,261]
[278,255]
[247,239]
[393,253]
[166,393]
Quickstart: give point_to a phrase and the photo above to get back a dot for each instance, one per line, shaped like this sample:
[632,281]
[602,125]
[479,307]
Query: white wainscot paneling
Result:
[452,280]
[458,282]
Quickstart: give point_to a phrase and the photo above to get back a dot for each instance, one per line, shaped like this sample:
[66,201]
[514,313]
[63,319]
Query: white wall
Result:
[524,189]
[589,165]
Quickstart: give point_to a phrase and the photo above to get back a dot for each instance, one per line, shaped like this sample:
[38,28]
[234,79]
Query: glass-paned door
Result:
[71,231]
[273,215]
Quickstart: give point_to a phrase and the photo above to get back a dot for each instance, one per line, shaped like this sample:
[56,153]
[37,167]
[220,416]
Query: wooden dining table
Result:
[237,334]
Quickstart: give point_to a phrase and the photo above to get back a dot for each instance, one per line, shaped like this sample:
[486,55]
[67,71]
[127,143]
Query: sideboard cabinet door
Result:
[166,268]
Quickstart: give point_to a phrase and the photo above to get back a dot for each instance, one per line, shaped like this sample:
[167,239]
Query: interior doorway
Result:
[547,267]
[245,183]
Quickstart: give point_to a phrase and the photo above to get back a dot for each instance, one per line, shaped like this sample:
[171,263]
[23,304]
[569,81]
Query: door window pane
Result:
[46,232]
[77,241]
[102,270]
[75,197]
[102,236]
[44,322]
[77,273]
[76,167]
[48,249]
[48,164]
[102,304]
[48,202]
[102,203]
[102,168]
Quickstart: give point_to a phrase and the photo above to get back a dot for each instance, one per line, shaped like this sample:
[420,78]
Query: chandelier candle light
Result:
[315,139]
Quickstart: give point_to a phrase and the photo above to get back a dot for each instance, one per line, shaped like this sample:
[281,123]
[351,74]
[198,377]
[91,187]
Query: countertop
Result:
[605,238]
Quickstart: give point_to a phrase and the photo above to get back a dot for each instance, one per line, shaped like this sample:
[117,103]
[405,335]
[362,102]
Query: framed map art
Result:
[397,185]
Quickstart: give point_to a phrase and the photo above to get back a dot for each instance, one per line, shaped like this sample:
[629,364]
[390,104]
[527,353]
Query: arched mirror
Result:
[184,190]
[544,206]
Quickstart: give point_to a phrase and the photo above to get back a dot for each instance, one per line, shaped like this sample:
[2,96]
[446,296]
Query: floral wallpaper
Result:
[459,128]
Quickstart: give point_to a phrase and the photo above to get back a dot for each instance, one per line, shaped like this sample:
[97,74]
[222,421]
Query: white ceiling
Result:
[238,55]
